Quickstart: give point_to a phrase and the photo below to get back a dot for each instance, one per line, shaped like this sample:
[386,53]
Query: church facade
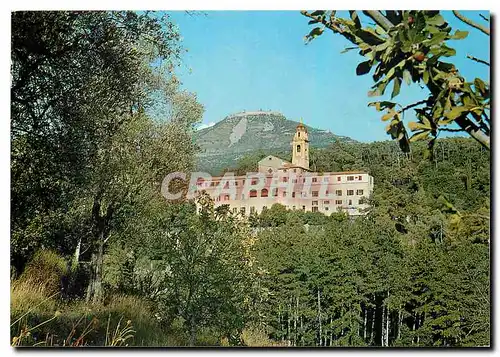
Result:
[291,184]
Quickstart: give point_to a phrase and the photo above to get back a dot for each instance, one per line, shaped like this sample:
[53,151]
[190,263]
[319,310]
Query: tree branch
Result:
[380,19]
[484,18]
[424,101]
[478,60]
[473,130]
[471,23]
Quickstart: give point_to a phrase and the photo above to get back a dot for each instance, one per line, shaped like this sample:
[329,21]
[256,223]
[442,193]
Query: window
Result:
[264,193]
[350,178]
[338,192]
[326,208]
[294,180]
[284,170]
[298,148]
[314,203]
[338,178]
[226,198]
[315,209]
[253,193]
[295,170]
[298,134]
[242,210]
[315,179]
[327,193]
[350,202]
[303,208]
[326,202]
[359,192]
[275,192]
[235,210]
[360,177]
[285,179]
[254,182]
[252,210]
[293,194]
[325,179]
[212,183]
[338,202]
[236,183]
[315,193]
[350,192]
[270,171]
[270,158]
[284,193]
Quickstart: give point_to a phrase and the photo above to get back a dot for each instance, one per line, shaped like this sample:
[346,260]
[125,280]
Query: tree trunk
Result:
[382,322]
[95,292]
[365,320]
[372,331]
[319,317]
[76,257]
[288,325]
[387,324]
[295,322]
[192,332]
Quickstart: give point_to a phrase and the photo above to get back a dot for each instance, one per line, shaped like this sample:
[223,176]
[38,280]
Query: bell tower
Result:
[300,147]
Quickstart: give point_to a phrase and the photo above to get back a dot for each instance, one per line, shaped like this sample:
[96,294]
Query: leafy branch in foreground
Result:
[410,46]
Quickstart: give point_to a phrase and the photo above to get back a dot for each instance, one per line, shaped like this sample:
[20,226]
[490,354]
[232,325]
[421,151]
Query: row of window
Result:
[314,207]
[265,193]
[285,179]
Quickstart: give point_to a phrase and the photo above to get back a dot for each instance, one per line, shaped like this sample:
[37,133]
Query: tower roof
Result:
[301,125]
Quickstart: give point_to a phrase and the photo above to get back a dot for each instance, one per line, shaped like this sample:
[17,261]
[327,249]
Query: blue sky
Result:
[251,60]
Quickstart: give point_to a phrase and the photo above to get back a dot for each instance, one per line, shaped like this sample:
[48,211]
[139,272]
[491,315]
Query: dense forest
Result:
[100,258]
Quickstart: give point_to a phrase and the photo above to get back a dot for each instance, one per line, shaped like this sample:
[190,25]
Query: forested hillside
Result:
[98,257]
[414,272]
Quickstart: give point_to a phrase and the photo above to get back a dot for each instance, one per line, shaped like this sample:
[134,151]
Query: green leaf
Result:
[414,126]
[420,136]
[436,20]
[447,51]
[315,32]
[479,84]
[382,105]
[436,39]
[355,18]
[396,88]
[347,49]
[389,115]
[456,112]
[425,76]
[318,12]
[407,76]
[363,68]
[459,35]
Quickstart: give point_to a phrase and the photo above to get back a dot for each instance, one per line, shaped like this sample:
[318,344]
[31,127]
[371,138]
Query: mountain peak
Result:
[246,132]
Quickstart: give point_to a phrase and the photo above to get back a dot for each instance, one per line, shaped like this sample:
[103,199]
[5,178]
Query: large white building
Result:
[291,184]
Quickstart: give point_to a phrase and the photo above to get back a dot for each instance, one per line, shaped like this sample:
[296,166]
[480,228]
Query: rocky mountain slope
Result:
[244,133]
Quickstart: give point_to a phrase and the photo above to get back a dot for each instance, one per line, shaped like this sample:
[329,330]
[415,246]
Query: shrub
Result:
[46,270]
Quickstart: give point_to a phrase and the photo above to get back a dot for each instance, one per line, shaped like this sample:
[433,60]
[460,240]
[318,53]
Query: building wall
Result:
[326,192]
[270,164]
